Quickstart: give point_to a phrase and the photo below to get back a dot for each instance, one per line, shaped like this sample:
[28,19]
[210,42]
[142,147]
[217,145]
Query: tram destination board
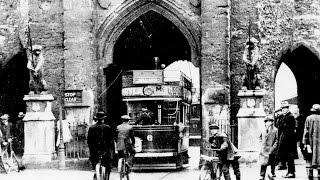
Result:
[72,96]
[147,77]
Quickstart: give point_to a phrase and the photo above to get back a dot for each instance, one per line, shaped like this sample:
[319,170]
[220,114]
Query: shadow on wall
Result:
[14,80]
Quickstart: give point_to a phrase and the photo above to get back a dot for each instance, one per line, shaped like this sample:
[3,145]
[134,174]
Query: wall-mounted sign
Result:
[147,77]
[159,91]
[72,96]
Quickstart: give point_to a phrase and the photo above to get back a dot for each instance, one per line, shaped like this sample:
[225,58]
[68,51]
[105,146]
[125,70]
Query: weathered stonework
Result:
[78,37]
[46,26]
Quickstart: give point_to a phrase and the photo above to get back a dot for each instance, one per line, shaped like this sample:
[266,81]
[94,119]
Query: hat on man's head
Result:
[213,126]
[126,117]
[268,118]
[36,47]
[315,108]
[4,117]
[100,116]
[284,104]
[21,114]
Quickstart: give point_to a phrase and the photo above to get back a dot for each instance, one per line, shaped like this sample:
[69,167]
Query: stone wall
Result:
[79,49]
[279,26]
[46,28]
[10,17]
[214,61]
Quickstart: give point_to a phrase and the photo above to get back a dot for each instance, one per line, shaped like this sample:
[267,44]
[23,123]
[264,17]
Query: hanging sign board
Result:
[147,77]
[72,96]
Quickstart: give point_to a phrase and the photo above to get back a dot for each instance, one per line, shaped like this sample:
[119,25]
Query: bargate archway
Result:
[116,47]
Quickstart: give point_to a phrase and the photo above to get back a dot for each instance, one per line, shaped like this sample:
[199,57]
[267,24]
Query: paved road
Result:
[189,173]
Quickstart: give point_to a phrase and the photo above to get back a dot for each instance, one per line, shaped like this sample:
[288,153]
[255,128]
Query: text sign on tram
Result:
[159,91]
[147,77]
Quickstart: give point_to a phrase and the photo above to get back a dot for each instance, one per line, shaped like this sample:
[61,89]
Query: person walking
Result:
[287,148]
[311,140]
[100,142]
[269,143]
[125,140]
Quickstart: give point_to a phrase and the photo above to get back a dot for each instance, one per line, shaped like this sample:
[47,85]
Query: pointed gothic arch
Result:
[304,62]
[110,30]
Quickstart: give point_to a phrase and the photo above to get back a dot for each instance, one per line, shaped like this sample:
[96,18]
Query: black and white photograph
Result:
[159,89]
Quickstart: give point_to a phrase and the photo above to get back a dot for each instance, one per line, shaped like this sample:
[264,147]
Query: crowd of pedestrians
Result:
[281,136]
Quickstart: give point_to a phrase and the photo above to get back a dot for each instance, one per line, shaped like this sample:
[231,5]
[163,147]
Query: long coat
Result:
[312,135]
[100,142]
[287,137]
[269,143]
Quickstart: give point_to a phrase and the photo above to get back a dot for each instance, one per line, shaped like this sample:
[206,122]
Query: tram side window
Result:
[170,113]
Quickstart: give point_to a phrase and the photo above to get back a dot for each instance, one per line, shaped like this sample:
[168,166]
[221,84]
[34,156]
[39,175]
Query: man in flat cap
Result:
[125,140]
[35,62]
[226,152]
[269,144]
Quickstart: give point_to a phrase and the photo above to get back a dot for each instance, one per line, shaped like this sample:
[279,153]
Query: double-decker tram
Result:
[159,103]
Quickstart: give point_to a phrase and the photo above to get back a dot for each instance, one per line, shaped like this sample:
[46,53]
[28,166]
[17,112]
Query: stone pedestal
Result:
[38,129]
[250,123]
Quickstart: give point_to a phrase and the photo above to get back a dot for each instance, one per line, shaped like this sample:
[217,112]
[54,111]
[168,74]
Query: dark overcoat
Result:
[312,136]
[287,137]
[269,144]
[100,142]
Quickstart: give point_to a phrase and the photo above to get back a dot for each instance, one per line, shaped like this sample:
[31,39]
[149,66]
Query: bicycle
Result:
[8,160]
[123,168]
[210,169]
[100,171]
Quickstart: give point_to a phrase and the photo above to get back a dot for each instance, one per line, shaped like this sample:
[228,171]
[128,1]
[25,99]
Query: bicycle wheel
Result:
[205,173]
[15,163]
[100,172]
[5,161]
[127,171]
[216,171]
[123,169]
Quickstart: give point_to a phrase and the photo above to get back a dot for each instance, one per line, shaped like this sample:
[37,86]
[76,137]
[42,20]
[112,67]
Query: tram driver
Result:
[145,117]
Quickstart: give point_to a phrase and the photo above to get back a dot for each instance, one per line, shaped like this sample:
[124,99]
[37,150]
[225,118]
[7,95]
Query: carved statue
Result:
[35,62]
[251,57]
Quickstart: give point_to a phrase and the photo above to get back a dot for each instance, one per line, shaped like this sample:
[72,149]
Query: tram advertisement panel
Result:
[157,91]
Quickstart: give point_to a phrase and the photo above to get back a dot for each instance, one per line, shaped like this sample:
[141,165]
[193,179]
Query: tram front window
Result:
[154,112]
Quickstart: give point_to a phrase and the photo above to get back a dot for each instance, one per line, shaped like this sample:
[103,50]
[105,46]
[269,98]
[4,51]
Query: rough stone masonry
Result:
[70,32]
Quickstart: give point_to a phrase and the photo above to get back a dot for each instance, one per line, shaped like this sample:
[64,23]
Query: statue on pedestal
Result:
[35,62]
[251,80]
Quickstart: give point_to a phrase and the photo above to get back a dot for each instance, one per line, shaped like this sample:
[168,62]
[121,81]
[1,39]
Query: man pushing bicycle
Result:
[226,152]
[100,142]
[125,140]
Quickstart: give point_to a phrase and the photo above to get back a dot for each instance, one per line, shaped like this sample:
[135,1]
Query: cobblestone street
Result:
[189,172]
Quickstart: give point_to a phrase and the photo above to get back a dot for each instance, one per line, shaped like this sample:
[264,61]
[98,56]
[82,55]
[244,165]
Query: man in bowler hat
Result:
[100,142]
